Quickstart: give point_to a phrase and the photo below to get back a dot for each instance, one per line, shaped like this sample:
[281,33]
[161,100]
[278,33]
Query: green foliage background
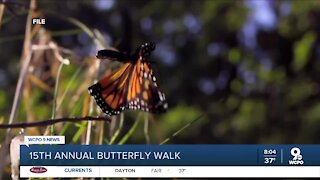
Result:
[250,69]
[265,93]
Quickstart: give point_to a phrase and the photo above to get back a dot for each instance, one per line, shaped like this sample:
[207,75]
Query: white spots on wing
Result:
[161,96]
[145,75]
[165,106]
[154,79]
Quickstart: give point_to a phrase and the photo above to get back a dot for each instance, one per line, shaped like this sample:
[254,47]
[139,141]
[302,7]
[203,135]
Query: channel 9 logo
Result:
[297,157]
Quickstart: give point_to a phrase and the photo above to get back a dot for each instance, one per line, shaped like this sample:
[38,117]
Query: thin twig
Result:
[53,121]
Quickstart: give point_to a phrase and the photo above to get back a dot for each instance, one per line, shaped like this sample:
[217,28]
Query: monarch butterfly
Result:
[132,87]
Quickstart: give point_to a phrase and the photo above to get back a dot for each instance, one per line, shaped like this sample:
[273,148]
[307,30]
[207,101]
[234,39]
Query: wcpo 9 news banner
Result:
[53,158]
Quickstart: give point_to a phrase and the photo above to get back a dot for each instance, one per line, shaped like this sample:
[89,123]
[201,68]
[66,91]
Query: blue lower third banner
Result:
[169,155]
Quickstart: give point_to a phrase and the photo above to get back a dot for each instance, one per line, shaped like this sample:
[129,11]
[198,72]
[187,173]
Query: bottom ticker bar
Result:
[169,171]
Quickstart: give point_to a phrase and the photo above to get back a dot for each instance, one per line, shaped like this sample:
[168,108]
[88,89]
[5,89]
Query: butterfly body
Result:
[142,52]
[133,86]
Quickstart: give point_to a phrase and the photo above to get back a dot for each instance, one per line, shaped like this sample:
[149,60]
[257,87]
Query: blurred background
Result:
[251,68]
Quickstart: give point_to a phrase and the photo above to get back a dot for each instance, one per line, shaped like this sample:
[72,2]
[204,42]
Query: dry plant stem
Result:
[27,40]
[1,13]
[101,133]
[38,82]
[112,126]
[89,132]
[86,112]
[53,121]
[25,59]
[146,128]
[90,109]
[53,115]
[13,111]
[116,134]
[22,76]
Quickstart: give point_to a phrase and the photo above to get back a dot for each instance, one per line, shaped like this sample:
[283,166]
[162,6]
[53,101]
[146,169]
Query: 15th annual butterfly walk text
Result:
[113,155]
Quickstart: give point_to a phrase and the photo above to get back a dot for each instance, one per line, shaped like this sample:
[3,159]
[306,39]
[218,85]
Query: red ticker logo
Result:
[38,169]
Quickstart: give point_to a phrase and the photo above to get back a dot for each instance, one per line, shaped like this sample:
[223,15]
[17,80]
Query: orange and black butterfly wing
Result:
[110,93]
[143,91]
[133,86]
